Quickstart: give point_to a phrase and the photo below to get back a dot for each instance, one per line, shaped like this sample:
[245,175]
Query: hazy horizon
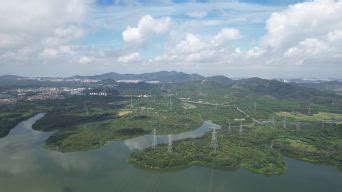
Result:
[232,77]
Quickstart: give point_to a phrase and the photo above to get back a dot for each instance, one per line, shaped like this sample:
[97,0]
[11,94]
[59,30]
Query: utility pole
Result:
[170,103]
[131,102]
[86,109]
[169,148]
[154,140]
[241,128]
[214,143]
[229,128]
[255,105]
[273,121]
[284,123]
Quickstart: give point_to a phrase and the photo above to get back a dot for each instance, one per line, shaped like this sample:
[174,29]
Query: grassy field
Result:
[320,116]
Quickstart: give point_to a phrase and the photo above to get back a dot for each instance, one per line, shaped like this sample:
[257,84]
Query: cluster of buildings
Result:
[12,96]
[44,93]
[6,99]
[98,94]
[41,93]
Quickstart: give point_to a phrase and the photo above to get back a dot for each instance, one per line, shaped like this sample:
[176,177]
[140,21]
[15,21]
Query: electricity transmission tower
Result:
[169,148]
[273,121]
[214,143]
[170,103]
[154,139]
[255,105]
[229,128]
[241,128]
[131,102]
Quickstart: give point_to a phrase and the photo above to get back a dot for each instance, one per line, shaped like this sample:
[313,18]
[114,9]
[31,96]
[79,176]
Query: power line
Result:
[229,128]
[214,143]
[170,103]
[131,102]
[241,128]
[169,148]
[154,140]
[273,121]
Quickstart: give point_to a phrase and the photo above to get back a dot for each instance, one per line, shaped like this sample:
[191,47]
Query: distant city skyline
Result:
[247,38]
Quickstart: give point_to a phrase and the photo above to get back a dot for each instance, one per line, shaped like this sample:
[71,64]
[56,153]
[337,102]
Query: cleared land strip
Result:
[225,105]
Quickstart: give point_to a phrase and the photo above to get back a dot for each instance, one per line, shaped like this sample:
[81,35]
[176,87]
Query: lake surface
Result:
[26,166]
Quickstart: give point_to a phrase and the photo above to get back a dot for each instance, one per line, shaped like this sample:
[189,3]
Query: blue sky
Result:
[267,2]
[265,38]
[177,11]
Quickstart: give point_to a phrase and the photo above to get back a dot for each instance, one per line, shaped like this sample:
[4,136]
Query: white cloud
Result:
[130,58]
[67,49]
[301,21]
[226,35]
[335,35]
[147,26]
[49,52]
[36,33]
[307,34]
[28,21]
[255,52]
[303,39]
[309,46]
[190,44]
[7,40]
[195,50]
[85,60]
[64,34]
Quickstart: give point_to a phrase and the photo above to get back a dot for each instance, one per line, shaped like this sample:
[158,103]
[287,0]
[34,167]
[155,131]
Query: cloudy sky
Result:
[265,38]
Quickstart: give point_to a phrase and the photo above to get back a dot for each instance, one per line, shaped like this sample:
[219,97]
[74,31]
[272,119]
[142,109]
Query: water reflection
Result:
[22,151]
[145,141]
[27,166]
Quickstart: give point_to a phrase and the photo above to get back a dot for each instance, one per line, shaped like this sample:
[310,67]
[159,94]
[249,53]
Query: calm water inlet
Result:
[26,166]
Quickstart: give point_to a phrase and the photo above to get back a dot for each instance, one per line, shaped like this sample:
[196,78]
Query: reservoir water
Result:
[26,166]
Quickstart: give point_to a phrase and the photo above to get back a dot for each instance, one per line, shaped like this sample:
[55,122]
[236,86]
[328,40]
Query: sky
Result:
[246,38]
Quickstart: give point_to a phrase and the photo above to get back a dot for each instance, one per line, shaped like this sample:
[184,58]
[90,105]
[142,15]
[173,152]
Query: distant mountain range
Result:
[162,76]
[281,87]
[10,77]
